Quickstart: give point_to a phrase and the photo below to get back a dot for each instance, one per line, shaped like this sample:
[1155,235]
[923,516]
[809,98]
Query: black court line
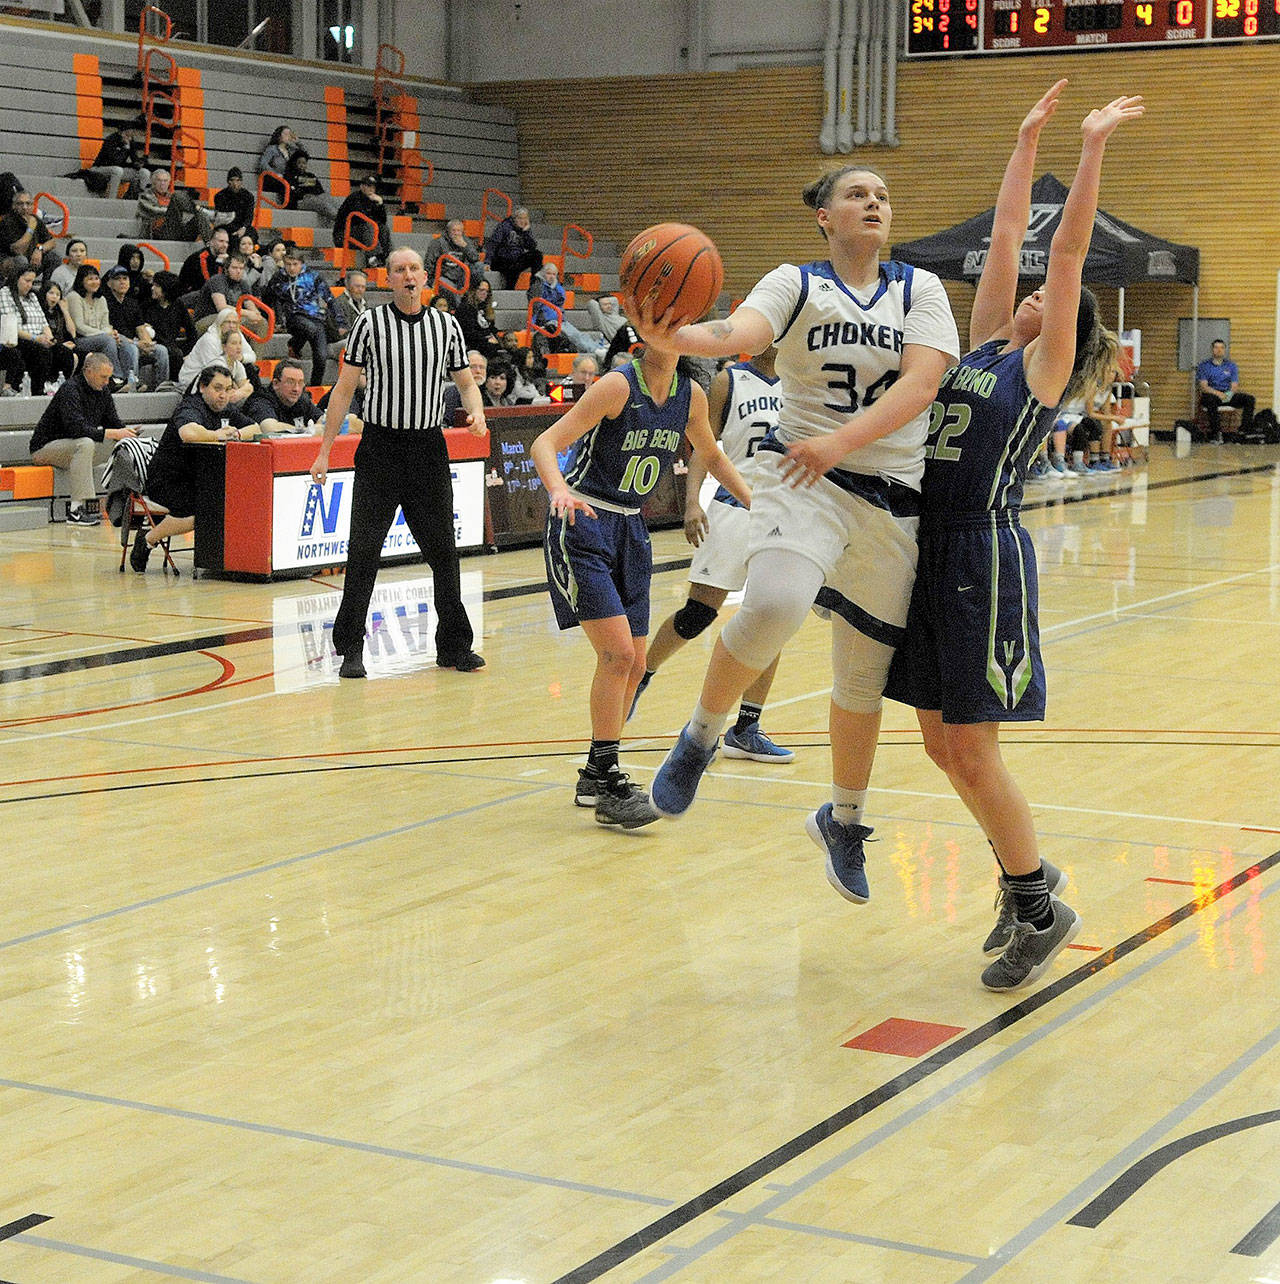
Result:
[1261,1237]
[155,650]
[1098,1209]
[755,1172]
[23,1224]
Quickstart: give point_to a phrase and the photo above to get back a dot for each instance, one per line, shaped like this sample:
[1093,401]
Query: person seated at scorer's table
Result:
[354,420]
[203,417]
[285,405]
[1218,382]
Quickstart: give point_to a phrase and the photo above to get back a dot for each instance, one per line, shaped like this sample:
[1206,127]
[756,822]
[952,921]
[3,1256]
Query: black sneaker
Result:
[79,515]
[587,790]
[140,552]
[353,664]
[621,803]
[467,662]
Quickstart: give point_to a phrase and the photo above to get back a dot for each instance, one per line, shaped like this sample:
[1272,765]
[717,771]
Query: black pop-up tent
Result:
[1119,254]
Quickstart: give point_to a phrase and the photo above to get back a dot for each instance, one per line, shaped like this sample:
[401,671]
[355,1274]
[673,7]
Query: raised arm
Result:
[1051,357]
[745,331]
[997,294]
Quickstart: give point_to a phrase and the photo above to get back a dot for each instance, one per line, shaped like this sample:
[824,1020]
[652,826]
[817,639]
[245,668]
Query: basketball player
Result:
[632,423]
[861,346]
[971,657]
[744,404]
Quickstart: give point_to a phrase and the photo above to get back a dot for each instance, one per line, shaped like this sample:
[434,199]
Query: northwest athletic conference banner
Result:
[311,524]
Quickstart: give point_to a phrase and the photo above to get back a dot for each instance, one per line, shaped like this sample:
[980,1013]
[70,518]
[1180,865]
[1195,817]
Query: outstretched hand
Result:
[1100,122]
[1038,116]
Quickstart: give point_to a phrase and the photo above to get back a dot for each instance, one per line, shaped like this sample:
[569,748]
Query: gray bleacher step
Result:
[24,515]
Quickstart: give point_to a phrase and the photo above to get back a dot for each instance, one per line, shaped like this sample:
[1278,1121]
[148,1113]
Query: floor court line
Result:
[681,1258]
[121,1259]
[825,1232]
[273,867]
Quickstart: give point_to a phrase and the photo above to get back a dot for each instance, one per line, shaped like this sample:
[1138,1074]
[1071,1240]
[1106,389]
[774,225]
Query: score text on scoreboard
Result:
[942,27]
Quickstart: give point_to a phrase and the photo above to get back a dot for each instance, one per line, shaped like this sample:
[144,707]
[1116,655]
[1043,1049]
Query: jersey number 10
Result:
[641,475]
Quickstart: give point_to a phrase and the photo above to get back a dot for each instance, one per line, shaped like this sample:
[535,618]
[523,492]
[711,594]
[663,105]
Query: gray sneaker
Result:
[1029,952]
[621,803]
[587,790]
[1006,916]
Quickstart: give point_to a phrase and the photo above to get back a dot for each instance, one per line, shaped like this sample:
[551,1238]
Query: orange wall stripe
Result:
[88,105]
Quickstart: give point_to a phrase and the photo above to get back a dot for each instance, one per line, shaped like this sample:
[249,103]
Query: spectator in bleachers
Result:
[59,320]
[284,405]
[80,414]
[624,343]
[443,302]
[247,246]
[120,159]
[208,349]
[475,315]
[36,350]
[306,192]
[302,301]
[169,319]
[546,285]
[530,386]
[126,320]
[478,364]
[94,331]
[351,302]
[130,258]
[204,415]
[224,290]
[272,266]
[166,215]
[584,371]
[205,262]
[355,411]
[364,199]
[499,383]
[234,206]
[275,159]
[511,248]
[606,316]
[22,232]
[454,242]
[64,275]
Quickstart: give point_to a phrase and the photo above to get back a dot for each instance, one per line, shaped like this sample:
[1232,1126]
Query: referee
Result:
[405,350]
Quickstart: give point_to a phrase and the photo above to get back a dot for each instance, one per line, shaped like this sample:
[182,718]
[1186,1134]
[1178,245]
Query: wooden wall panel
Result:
[730,152]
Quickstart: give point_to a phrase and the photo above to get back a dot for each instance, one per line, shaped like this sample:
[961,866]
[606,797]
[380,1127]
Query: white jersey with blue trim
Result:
[750,411]
[839,349]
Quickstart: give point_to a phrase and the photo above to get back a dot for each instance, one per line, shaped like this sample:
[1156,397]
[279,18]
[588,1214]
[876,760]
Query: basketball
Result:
[674,266]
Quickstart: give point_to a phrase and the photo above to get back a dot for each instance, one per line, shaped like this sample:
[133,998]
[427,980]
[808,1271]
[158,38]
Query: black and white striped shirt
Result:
[406,360]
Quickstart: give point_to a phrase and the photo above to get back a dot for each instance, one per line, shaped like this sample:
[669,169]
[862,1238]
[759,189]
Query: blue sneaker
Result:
[843,844]
[754,744]
[676,783]
[635,699]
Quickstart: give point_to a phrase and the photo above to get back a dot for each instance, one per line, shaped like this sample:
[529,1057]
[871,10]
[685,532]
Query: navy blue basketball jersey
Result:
[984,430]
[620,460]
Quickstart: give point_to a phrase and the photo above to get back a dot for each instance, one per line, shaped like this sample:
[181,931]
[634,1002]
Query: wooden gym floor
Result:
[307,981]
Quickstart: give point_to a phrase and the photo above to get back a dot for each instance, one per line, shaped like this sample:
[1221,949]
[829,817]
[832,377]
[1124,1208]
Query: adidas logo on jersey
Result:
[776,531]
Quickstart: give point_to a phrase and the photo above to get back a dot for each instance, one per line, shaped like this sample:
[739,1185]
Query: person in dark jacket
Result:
[234,206]
[457,245]
[121,157]
[511,249]
[364,200]
[169,319]
[475,315]
[80,414]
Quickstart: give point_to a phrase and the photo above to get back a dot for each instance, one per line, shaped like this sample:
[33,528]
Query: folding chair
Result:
[140,511]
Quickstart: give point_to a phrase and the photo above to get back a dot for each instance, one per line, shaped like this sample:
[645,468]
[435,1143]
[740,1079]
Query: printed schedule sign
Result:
[311,524]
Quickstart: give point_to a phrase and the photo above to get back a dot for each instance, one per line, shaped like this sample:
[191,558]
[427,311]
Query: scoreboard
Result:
[942,27]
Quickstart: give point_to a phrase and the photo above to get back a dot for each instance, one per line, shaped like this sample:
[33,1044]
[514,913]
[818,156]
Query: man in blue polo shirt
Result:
[1218,381]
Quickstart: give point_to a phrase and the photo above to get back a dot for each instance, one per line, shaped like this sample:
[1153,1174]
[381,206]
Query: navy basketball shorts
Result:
[972,644]
[598,568]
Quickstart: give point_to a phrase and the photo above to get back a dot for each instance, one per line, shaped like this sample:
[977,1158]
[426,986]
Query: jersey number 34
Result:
[946,423]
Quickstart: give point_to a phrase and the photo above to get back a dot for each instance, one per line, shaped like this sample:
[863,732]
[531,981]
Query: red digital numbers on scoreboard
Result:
[942,26]
[1245,19]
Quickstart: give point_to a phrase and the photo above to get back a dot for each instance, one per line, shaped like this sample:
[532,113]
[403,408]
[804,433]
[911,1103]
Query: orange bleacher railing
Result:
[66,212]
[143,33]
[160,254]
[533,324]
[265,201]
[349,241]
[440,283]
[265,309]
[486,213]
[184,139]
[566,248]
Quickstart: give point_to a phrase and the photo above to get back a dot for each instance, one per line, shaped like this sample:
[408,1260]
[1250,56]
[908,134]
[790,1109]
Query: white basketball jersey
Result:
[839,350]
[750,411]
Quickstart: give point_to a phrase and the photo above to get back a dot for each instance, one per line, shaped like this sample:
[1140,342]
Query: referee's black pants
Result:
[411,470]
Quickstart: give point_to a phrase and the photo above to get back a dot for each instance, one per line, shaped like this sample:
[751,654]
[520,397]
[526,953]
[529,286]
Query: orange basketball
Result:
[674,266]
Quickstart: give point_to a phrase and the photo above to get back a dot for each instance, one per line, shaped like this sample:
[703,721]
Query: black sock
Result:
[1031,900]
[748,716]
[602,759]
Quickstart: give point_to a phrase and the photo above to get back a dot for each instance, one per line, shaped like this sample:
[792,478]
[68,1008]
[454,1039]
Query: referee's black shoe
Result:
[353,664]
[467,662]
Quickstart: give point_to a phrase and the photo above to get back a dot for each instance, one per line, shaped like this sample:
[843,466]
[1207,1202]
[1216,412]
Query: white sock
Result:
[847,805]
[705,727]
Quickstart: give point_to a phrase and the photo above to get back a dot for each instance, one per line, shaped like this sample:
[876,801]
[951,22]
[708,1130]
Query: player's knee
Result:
[858,677]
[692,618]
[935,746]
[617,659]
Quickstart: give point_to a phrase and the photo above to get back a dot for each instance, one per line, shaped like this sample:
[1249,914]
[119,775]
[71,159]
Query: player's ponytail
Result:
[1097,350]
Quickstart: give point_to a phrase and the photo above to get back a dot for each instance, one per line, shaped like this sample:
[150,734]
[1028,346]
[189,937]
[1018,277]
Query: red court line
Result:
[227,670]
[178,615]
[76,633]
[1089,949]
[1252,829]
[1176,882]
